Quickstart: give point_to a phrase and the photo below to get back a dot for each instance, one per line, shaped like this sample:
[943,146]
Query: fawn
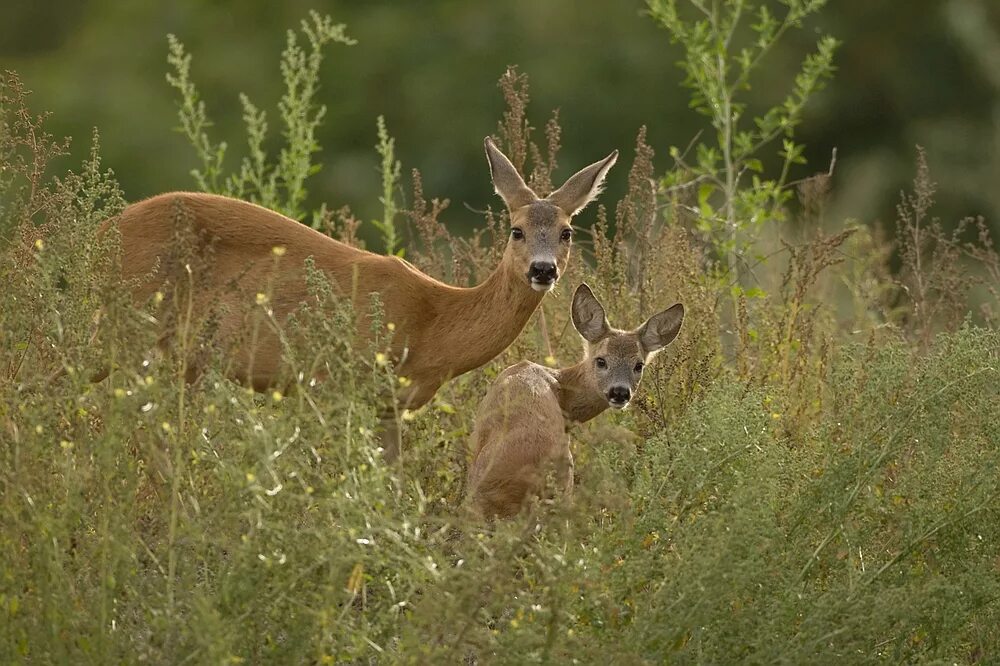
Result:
[521,426]
[441,331]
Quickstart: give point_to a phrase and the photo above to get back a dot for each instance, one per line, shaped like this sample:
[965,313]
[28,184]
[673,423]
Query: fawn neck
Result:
[579,398]
[482,321]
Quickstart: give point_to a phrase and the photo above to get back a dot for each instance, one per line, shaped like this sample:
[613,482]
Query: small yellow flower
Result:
[148,380]
[119,393]
[381,358]
[39,244]
[550,361]
[391,326]
[278,250]
[66,445]
[209,409]
[166,427]
[276,396]
[251,477]
[775,415]
[405,381]
[38,429]
[409,415]
[261,298]
[158,297]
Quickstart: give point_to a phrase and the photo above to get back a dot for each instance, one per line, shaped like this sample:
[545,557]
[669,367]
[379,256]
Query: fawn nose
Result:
[619,396]
[542,274]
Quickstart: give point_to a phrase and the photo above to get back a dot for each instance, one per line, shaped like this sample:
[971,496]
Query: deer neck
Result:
[579,398]
[482,321]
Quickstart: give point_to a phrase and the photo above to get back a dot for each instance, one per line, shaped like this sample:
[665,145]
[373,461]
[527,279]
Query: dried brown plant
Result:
[433,235]
[984,252]
[933,283]
[514,130]
[340,224]
[540,179]
[26,151]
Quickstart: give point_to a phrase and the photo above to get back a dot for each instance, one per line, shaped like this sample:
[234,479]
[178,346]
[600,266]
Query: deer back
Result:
[220,253]
[520,434]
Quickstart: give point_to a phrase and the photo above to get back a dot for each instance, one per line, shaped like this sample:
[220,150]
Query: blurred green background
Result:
[918,72]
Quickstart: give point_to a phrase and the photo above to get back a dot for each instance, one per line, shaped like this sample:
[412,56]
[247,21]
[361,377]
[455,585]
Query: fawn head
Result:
[540,230]
[616,358]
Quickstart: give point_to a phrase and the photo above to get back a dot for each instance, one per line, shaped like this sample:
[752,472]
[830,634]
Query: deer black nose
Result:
[619,395]
[544,272]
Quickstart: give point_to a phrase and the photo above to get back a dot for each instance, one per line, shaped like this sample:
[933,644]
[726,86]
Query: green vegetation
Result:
[281,185]
[718,69]
[808,476]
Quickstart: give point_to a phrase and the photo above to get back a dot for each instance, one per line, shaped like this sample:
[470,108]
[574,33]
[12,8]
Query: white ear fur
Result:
[507,182]
[589,317]
[583,186]
[660,330]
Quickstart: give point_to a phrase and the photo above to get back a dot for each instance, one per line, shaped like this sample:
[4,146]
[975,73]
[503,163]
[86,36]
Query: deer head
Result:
[540,229]
[616,358]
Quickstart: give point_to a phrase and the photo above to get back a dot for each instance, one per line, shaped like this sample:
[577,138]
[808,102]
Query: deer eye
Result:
[517,234]
[567,234]
[638,367]
[600,362]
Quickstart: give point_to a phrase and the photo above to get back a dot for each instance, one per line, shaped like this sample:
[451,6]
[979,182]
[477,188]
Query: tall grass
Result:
[811,480]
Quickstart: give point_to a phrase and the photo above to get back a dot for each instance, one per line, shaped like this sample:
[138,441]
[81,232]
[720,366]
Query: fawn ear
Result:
[588,315]
[583,186]
[506,180]
[661,329]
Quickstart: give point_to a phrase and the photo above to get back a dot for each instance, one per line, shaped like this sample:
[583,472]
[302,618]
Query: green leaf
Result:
[705,191]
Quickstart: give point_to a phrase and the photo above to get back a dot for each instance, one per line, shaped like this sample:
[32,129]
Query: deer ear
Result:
[661,329]
[583,186]
[588,315]
[506,180]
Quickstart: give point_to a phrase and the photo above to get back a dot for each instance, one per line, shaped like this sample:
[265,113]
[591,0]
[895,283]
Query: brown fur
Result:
[520,430]
[441,331]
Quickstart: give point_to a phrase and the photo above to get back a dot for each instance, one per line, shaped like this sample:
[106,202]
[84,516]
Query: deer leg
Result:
[392,436]
[413,397]
[564,472]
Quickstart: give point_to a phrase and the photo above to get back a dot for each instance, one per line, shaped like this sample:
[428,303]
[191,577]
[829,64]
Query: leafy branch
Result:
[280,184]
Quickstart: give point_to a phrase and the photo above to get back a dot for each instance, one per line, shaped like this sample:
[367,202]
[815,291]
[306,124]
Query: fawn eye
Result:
[638,367]
[517,234]
[567,234]
[600,362]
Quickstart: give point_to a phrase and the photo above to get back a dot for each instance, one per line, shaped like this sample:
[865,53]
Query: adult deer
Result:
[441,331]
[520,431]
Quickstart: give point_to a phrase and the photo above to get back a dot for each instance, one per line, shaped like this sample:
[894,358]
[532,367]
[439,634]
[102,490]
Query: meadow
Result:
[808,474]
